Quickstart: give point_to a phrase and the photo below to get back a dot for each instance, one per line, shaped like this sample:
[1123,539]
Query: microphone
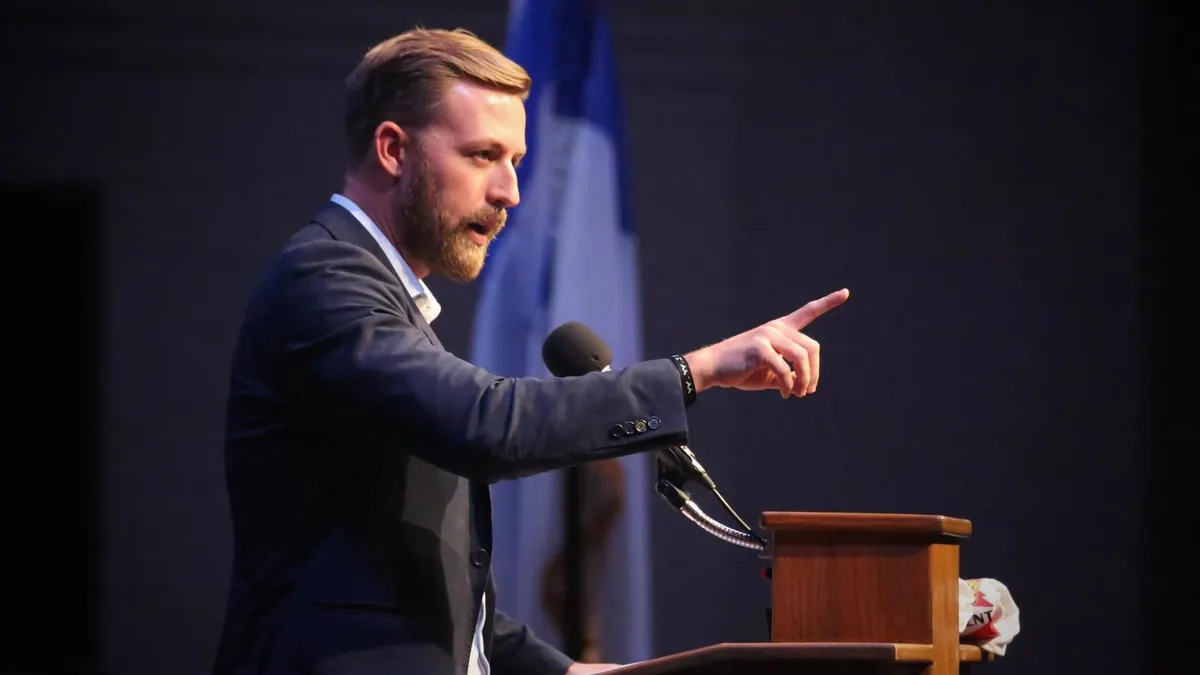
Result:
[573,350]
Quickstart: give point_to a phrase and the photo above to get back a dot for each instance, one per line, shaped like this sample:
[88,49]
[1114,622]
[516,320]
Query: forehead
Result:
[469,111]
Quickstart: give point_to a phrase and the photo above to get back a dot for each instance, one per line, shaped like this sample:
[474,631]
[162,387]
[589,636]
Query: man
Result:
[359,452]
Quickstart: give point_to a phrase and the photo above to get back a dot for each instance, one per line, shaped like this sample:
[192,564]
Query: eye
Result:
[484,155]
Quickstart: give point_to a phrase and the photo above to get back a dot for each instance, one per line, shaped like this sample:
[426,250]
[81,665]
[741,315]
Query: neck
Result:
[376,201]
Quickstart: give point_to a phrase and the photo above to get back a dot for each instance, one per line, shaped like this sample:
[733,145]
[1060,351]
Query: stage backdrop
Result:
[971,173]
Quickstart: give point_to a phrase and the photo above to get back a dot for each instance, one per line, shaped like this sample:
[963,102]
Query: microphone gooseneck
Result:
[681,501]
[677,465]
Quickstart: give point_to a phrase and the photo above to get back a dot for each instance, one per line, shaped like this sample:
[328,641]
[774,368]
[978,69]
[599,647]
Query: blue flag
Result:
[568,253]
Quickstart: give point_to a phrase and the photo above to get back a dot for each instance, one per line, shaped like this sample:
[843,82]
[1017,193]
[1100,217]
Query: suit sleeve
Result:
[517,651]
[350,352]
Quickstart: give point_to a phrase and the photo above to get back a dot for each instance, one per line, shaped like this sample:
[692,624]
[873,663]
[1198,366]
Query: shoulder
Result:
[312,257]
[315,272]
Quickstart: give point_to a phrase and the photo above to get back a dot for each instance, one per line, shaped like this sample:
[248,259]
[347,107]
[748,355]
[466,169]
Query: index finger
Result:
[809,312]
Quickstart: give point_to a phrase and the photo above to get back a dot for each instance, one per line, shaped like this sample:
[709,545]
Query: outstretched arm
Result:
[350,351]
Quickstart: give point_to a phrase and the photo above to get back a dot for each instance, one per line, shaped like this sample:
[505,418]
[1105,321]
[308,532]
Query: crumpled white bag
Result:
[987,614]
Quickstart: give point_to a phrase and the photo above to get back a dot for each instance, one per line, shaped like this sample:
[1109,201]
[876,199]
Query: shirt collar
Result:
[421,295]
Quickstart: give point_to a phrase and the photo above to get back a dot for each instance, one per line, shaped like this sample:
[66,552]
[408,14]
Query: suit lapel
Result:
[344,227]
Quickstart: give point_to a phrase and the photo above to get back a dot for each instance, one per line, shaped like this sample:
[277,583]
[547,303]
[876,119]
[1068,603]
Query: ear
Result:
[390,144]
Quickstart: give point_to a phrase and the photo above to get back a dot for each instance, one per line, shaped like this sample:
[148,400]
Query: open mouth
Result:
[480,233]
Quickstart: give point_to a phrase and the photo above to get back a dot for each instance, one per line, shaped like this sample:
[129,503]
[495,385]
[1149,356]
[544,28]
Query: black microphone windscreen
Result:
[574,349]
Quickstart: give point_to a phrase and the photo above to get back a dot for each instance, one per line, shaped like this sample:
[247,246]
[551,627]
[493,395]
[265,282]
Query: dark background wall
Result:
[1001,186]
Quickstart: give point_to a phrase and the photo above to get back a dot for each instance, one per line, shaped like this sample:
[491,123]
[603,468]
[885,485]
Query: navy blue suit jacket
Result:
[359,455]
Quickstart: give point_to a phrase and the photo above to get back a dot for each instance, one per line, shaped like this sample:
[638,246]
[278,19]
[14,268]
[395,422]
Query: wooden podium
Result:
[851,593]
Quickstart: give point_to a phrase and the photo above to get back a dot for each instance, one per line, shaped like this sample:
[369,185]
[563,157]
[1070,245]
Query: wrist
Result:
[700,367]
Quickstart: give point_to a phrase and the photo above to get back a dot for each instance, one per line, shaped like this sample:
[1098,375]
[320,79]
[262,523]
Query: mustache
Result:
[491,217]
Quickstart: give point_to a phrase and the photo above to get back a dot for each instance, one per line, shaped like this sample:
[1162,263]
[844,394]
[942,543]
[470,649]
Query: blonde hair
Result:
[402,79]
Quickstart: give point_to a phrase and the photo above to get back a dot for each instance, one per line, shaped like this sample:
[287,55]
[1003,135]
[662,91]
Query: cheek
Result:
[461,189]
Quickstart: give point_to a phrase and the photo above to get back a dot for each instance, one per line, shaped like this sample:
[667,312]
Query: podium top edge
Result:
[878,523]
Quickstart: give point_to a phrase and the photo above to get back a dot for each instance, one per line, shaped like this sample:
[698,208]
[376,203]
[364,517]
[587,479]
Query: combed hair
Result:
[402,80]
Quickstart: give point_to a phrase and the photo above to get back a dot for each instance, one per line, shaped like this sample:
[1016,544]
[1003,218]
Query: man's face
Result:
[459,178]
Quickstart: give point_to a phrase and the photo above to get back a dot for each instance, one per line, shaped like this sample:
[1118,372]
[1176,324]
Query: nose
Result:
[503,191]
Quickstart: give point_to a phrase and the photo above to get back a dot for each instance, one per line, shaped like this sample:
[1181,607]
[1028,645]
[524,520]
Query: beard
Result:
[436,238]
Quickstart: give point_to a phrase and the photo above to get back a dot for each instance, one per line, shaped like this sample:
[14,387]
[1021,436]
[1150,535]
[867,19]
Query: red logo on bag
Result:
[979,626]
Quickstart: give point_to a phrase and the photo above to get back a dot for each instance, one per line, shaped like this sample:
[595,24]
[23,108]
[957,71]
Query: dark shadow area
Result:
[53,342]
[1172,146]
